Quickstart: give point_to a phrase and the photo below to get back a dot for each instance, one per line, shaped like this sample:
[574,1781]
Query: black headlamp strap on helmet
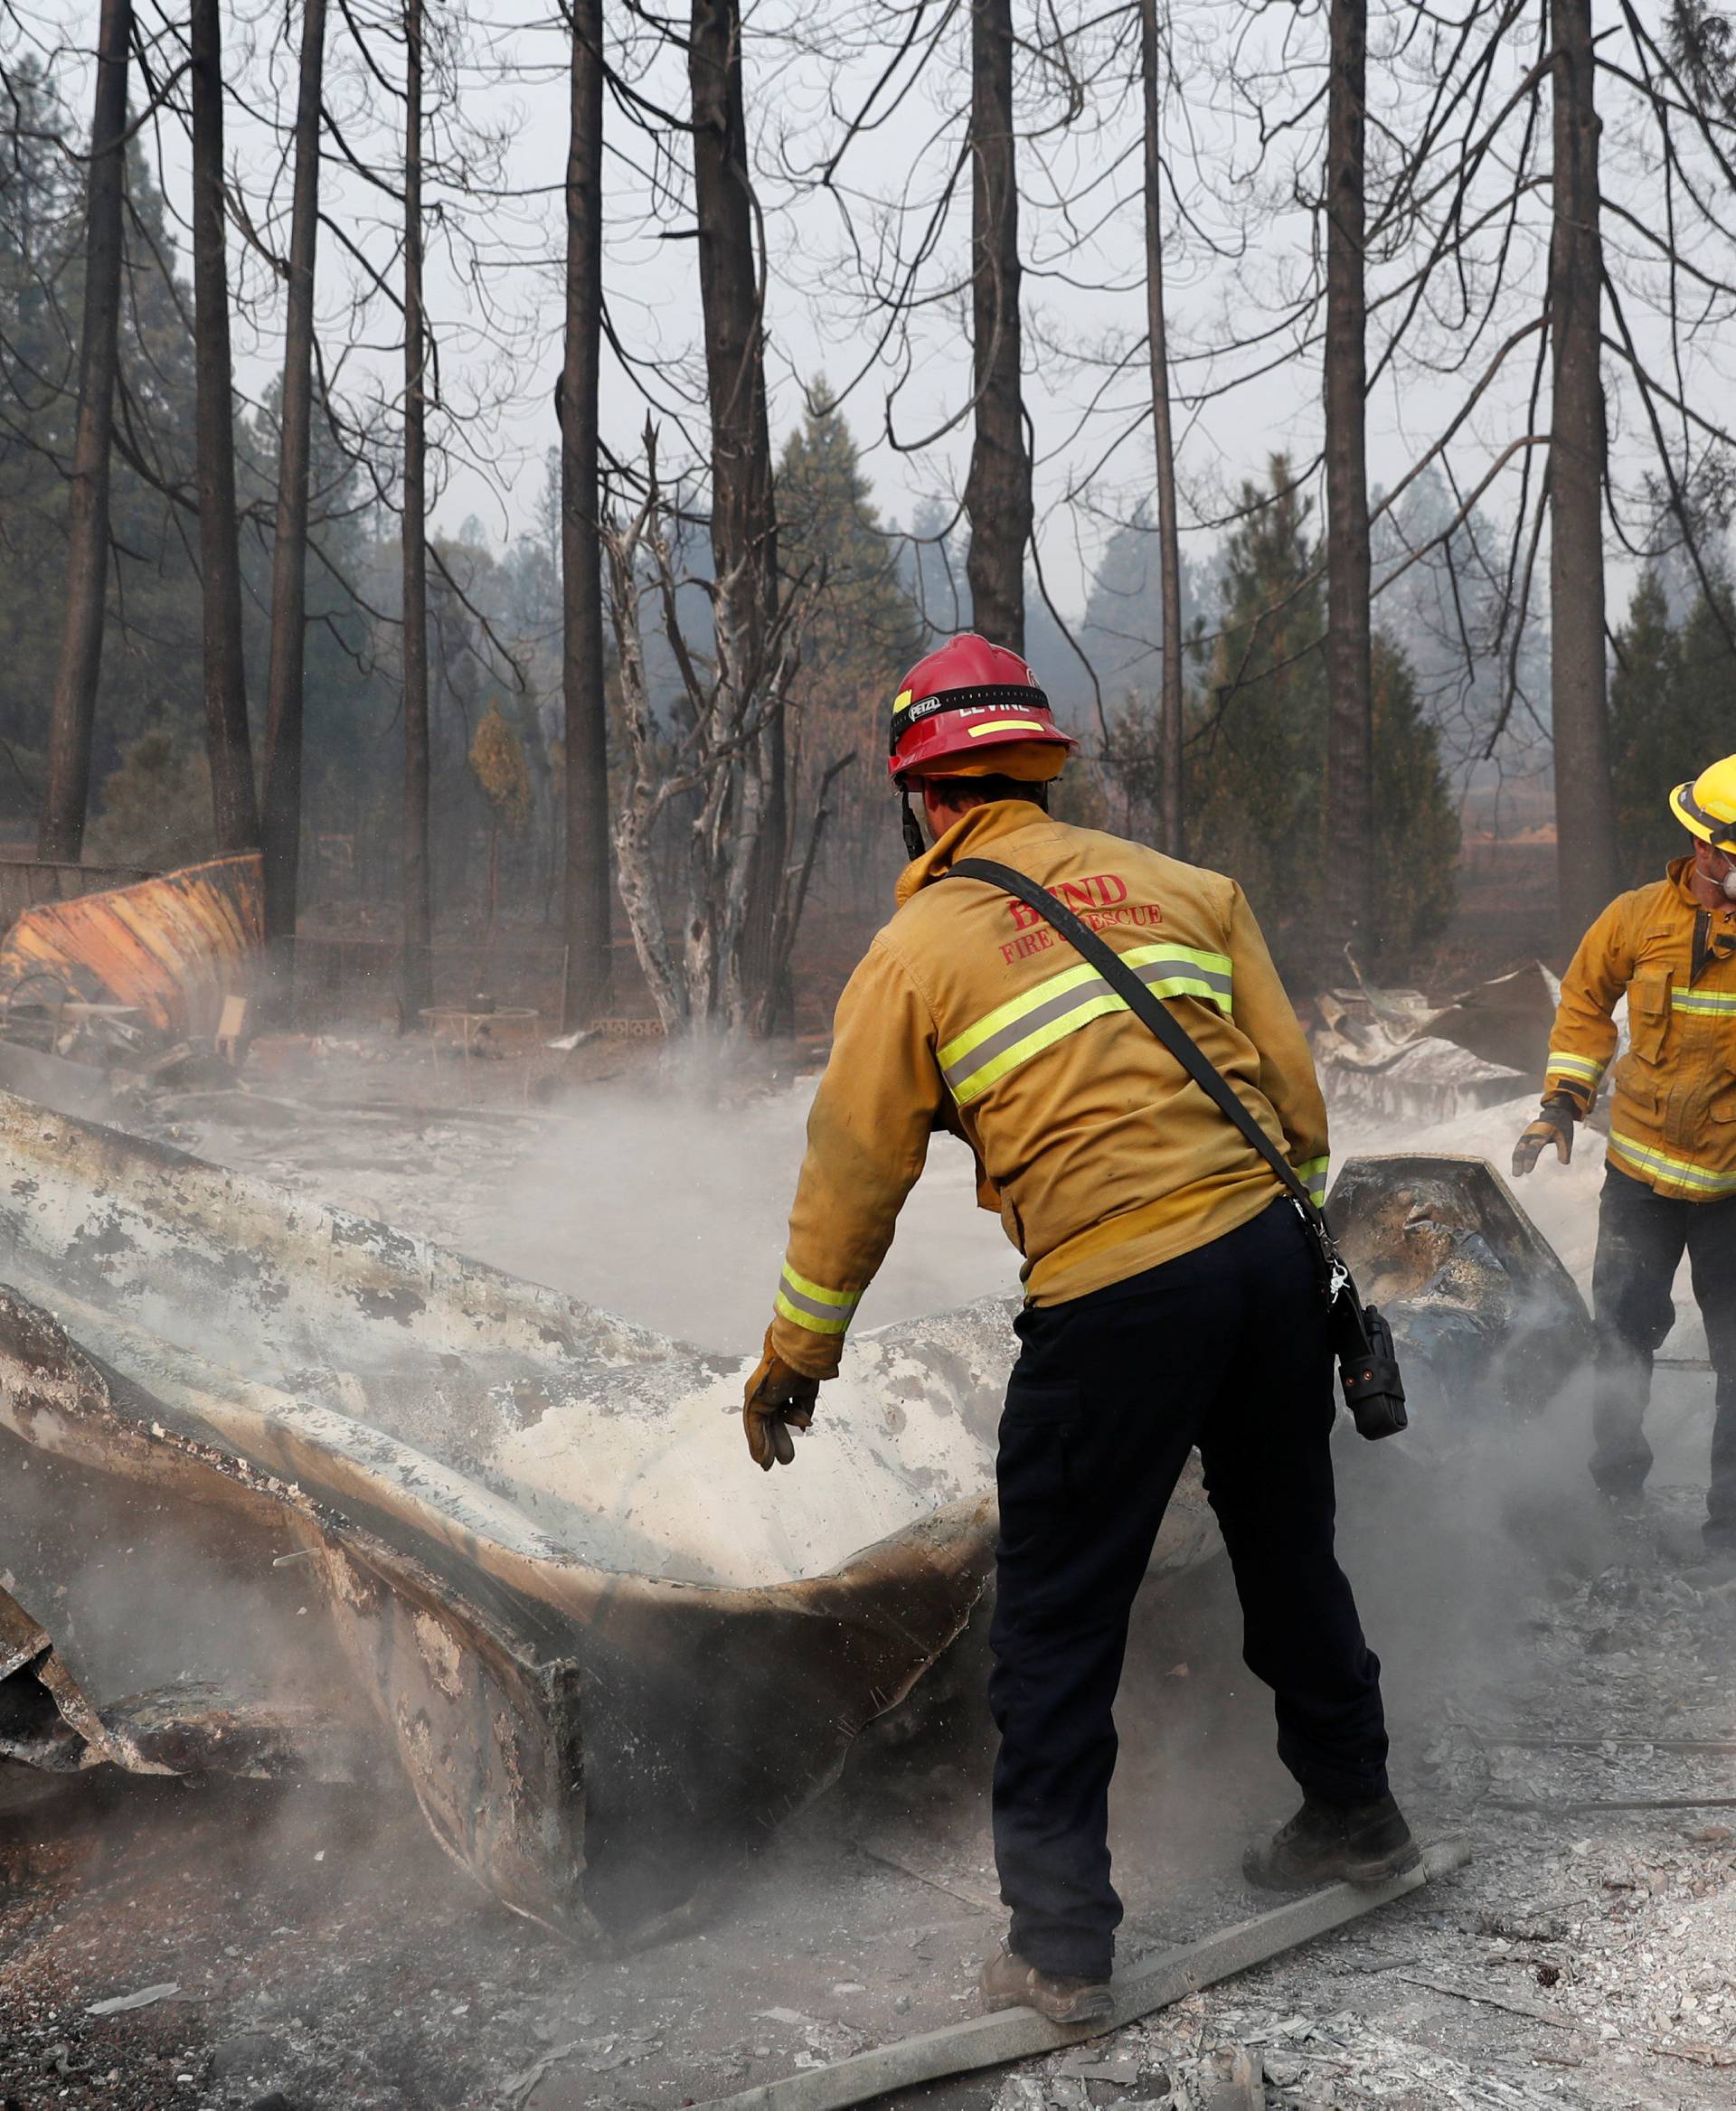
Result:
[1011,695]
[914,842]
[1722,833]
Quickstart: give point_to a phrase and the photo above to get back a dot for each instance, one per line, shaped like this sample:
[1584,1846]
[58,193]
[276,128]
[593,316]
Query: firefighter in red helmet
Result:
[1172,1299]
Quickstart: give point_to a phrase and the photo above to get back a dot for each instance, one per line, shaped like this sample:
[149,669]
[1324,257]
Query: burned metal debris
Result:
[1391,1052]
[1486,1315]
[605,1659]
[171,948]
[515,1530]
[192,1727]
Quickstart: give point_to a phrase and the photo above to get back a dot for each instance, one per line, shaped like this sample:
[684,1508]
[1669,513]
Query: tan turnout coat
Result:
[970,1014]
[1673,1122]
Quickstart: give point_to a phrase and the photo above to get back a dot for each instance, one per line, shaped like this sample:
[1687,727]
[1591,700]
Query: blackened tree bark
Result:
[280,816]
[997,487]
[744,524]
[234,805]
[581,585]
[61,830]
[418,971]
[1585,823]
[1350,720]
[1169,547]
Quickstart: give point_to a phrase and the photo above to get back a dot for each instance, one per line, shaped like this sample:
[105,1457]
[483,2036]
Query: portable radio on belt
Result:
[1362,1341]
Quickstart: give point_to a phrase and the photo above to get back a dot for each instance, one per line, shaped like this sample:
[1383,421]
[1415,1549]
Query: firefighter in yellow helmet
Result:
[1670,1187]
[1170,1297]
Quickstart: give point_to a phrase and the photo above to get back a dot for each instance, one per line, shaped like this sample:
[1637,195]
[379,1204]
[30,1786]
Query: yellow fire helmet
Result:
[1707,806]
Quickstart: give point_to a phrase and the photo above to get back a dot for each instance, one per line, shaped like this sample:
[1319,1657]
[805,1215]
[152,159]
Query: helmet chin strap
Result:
[915,842]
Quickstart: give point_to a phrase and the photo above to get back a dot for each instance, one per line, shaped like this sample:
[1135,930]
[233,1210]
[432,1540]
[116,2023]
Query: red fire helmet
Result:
[963,710]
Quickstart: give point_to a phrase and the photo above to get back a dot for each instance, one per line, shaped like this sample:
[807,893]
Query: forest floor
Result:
[324,1955]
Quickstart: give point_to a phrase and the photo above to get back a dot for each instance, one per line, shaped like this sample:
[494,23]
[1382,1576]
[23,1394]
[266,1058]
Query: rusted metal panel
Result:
[173,945]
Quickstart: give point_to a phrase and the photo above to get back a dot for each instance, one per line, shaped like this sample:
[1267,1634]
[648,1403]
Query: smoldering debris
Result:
[312,1976]
[1488,1319]
[192,1727]
[605,1665]
[606,1655]
[1391,1052]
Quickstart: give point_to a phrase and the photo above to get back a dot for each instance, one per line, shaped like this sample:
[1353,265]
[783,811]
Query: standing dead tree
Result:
[1579,455]
[744,518]
[280,820]
[61,831]
[1169,544]
[418,920]
[587,895]
[997,487]
[697,768]
[228,745]
[1350,723]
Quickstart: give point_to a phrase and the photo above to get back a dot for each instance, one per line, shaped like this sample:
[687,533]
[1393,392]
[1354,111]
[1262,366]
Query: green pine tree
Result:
[1669,713]
[1257,756]
[862,632]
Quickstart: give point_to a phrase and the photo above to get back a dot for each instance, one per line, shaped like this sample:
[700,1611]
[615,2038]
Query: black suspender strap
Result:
[1145,1004]
[1362,1339]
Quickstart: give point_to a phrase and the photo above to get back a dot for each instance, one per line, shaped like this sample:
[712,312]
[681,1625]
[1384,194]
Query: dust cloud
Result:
[670,1207]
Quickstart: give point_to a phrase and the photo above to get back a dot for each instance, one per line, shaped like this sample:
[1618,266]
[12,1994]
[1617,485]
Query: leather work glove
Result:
[1553,1124]
[779,1400]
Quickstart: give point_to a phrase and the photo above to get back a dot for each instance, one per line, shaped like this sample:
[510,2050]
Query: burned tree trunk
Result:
[1585,826]
[997,488]
[698,762]
[1169,547]
[280,820]
[582,588]
[418,971]
[644,775]
[60,830]
[234,807]
[744,527]
[1350,720]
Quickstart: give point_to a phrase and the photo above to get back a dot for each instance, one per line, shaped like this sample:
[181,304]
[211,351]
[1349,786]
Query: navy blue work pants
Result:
[1224,1348]
[1641,1239]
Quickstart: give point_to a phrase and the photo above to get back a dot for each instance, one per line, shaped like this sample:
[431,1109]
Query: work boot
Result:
[1681,1539]
[1625,1500]
[1333,1844]
[1715,1568]
[1008,1982]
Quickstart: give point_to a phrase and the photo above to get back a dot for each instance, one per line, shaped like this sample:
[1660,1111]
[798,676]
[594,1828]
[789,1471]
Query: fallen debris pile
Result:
[1391,1052]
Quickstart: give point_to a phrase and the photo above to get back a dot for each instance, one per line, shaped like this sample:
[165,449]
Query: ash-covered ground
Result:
[1545,1662]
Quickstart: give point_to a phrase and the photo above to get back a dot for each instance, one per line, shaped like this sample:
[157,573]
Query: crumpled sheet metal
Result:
[1486,1315]
[1390,1052]
[191,1727]
[608,1651]
[46,1721]
[175,946]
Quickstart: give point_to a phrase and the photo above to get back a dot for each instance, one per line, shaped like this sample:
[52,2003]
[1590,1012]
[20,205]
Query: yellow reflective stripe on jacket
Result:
[1711,1003]
[1583,1069]
[811,1305]
[1025,1025]
[1680,1171]
[1312,1173]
